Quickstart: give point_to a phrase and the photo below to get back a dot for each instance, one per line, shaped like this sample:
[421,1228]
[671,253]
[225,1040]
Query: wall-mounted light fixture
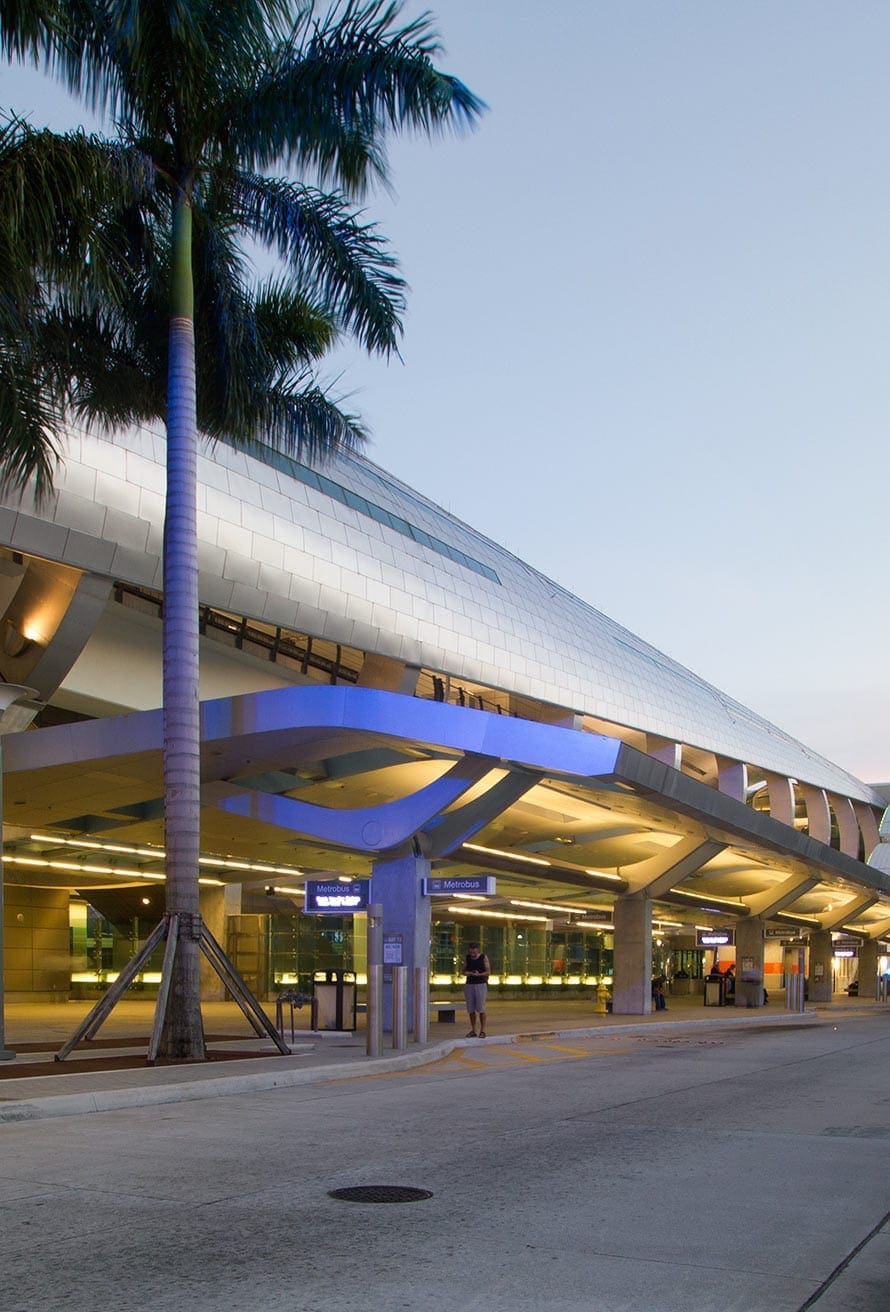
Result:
[15,643]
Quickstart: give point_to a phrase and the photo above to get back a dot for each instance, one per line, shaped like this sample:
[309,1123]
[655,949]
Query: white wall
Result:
[120,668]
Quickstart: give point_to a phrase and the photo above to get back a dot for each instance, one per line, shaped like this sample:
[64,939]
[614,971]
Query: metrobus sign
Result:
[714,938]
[481,885]
[330,897]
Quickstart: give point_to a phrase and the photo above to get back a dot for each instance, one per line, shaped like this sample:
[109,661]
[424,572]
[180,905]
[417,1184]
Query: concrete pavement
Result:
[679,1163]
[316,1057]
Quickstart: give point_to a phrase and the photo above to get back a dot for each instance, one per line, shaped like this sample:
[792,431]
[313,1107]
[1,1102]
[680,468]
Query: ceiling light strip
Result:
[509,856]
[495,915]
[159,854]
[552,906]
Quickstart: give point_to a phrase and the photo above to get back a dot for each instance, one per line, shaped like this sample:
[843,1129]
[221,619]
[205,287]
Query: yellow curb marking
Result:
[500,1057]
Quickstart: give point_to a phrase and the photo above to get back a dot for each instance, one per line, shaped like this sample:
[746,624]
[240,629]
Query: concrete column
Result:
[632,972]
[818,813]
[396,885]
[212,902]
[868,825]
[749,953]
[868,968]
[781,798]
[848,825]
[819,982]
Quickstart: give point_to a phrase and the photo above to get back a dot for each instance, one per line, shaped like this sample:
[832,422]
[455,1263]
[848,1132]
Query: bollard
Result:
[374,1033]
[400,1008]
[421,1004]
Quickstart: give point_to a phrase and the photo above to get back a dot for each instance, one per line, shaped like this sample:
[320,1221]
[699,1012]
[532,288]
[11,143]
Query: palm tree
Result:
[214,93]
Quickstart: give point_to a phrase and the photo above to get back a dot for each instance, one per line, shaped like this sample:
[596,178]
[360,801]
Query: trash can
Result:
[714,992]
[334,995]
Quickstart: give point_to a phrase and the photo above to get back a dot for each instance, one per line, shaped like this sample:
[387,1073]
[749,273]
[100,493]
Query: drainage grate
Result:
[380,1193]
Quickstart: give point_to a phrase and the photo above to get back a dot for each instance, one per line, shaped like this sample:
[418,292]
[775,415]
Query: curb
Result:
[147,1095]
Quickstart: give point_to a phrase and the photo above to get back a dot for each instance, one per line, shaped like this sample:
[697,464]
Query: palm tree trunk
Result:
[183,1037]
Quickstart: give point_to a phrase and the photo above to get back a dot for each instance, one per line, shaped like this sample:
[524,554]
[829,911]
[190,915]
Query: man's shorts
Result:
[475,995]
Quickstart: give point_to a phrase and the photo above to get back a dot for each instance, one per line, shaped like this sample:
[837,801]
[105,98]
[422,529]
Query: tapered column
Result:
[749,950]
[632,971]
[213,910]
[397,886]
[821,962]
[868,968]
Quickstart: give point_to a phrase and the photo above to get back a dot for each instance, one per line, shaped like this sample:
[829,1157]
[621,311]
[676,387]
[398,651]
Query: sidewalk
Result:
[242,1063]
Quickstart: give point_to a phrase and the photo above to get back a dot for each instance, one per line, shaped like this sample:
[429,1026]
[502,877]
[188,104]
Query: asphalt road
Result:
[738,1170]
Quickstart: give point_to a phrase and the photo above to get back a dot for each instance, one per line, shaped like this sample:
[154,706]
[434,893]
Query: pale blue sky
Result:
[649,330]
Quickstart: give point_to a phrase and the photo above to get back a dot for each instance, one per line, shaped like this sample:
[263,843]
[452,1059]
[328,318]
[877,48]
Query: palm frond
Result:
[30,422]
[289,326]
[27,27]
[355,71]
[54,192]
[111,364]
[344,263]
[301,420]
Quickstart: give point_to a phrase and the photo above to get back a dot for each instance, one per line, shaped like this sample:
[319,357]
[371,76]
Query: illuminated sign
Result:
[714,938]
[481,885]
[331,898]
[844,952]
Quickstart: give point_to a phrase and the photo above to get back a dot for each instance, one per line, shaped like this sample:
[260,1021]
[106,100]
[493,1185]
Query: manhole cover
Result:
[380,1193]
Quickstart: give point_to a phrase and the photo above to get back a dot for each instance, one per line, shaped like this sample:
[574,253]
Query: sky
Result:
[647,340]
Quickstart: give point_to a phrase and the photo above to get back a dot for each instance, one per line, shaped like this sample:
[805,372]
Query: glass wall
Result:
[282,951]
[300,945]
[522,953]
[687,963]
[99,949]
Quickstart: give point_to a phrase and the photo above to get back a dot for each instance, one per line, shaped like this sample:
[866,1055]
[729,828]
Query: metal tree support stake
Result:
[171,929]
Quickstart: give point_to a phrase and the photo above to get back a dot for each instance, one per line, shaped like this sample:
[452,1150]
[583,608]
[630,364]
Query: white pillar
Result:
[212,901]
[749,954]
[821,962]
[868,968]
[632,970]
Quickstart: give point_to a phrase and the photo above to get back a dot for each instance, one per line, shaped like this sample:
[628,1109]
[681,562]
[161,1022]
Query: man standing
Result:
[478,969]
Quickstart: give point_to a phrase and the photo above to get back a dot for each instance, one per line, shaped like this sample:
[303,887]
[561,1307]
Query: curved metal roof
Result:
[349,553]
[510,627]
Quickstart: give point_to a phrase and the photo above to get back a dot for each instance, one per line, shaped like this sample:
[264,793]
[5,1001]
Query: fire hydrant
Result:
[602,998]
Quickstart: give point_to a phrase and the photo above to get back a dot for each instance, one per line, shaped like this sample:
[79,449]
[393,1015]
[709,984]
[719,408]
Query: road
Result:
[735,1169]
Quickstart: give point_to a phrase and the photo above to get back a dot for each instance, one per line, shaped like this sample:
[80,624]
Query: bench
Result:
[447,1011]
